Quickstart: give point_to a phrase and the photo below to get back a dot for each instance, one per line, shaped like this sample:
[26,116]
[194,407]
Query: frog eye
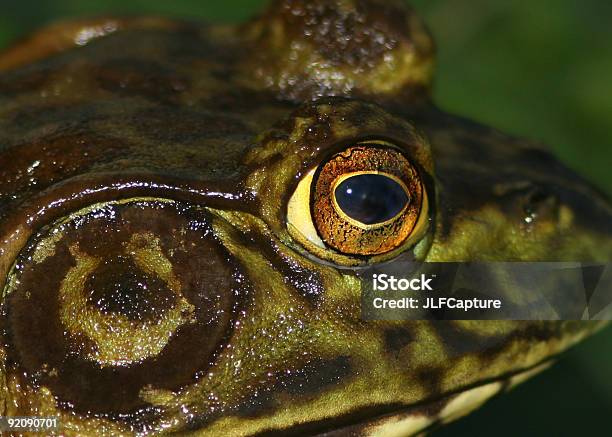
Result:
[367,200]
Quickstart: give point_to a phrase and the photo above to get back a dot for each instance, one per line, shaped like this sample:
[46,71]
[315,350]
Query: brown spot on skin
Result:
[459,342]
[431,378]
[397,338]
[119,286]
[54,118]
[307,381]
[169,124]
[307,282]
[147,79]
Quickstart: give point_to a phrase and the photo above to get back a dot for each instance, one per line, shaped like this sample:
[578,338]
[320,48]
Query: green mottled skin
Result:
[227,120]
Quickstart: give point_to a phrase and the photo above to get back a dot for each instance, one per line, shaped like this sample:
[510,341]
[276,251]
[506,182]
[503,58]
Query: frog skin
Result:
[155,281]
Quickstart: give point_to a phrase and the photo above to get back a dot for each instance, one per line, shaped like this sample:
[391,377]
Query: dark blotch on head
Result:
[458,341]
[189,127]
[306,282]
[310,380]
[120,286]
[397,338]
[141,78]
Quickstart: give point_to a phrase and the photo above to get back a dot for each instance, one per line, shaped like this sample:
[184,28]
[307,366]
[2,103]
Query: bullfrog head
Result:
[185,210]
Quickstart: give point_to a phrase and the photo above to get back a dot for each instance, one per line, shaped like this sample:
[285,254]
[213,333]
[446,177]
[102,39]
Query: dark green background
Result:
[542,69]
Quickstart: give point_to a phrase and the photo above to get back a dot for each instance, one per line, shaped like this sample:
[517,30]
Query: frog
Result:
[180,250]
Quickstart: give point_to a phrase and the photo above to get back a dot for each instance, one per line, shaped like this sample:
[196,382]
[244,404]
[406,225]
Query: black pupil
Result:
[371,198]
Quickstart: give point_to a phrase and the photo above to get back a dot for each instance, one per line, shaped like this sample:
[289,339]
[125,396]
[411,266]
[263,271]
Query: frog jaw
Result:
[430,415]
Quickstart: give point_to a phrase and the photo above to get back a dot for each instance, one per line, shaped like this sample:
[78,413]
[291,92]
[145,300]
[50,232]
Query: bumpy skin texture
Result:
[147,151]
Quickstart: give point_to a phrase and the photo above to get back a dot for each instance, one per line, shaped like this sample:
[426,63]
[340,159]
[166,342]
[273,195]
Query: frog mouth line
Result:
[419,417]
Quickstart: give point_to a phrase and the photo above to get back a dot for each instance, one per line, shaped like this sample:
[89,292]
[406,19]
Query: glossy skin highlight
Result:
[158,134]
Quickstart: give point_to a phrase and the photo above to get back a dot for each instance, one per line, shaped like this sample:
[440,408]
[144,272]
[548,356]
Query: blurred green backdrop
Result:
[541,69]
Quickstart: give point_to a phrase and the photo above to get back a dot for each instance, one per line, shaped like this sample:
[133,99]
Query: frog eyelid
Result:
[299,222]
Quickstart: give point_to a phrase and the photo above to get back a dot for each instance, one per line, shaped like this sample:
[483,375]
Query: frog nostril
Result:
[540,204]
[530,201]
